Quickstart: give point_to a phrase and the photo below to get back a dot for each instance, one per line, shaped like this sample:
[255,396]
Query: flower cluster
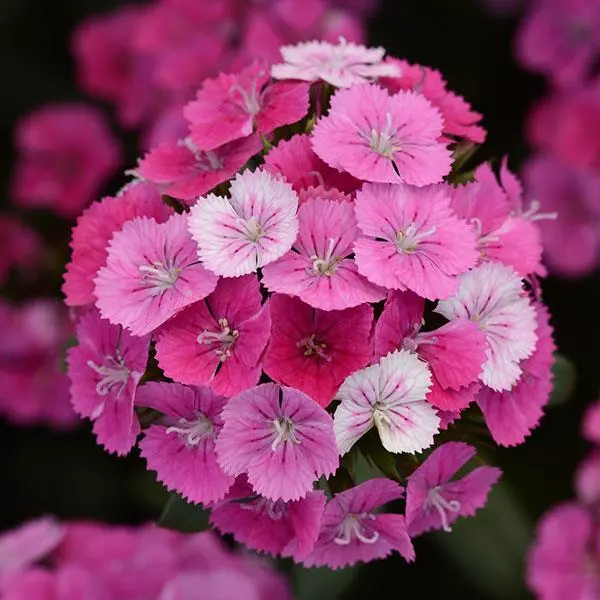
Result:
[93,561]
[564,561]
[297,285]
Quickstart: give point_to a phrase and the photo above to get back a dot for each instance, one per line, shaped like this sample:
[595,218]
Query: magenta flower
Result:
[274,527]
[382,138]
[181,446]
[22,246]
[105,369]
[231,107]
[182,171]
[66,155]
[280,438]
[319,268]
[561,562]
[434,500]
[353,532]
[342,65]
[587,480]
[151,273]
[591,423]
[511,415]
[94,229]
[455,352]
[315,350]
[252,228]
[411,239]
[389,396]
[218,342]
[492,296]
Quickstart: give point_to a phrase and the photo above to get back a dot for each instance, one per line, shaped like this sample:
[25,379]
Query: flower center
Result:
[205,160]
[263,506]
[252,229]
[312,347]
[284,432]
[251,99]
[409,239]
[224,339]
[114,375]
[436,500]
[384,142]
[159,277]
[354,527]
[327,264]
[193,432]
[533,213]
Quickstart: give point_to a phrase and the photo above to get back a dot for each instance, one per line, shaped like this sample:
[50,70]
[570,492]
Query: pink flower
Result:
[252,228]
[280,438]
[315,350]
[591,423]
[382,138]
[587,480]
[66,583]
[182,171]
[94,229]
[105,369]
[353,532]
[460,120]
[66,155]
[22,247]
[389,396]
[319,268]
[181,446]
[455,352]
[434,500]
[220,341]
[151,273]
[492,296]
[512,415]
[412,239]
[561,561]
[302,168]
[231,107]
[342,65]
[274,527]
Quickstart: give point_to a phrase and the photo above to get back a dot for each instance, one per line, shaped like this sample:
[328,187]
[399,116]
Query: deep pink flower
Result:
[66,155]
[94,229]
[591,423]
[280,438]
[353,532]
[562,561]
[411,239]
[274,527]
[315,350]
[511,415]
[389,396]
[343,64]
[434,499]
[105,369]
[320,269]
[382,138]
[21,246]
[252,228]
[151,273]
[492,296]
[181,170]
[460,120]
[218,342]
[231,107]
[181,446]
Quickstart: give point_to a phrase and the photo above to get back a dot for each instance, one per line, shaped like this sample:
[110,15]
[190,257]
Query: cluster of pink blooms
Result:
[47,560]
[561,40]
[296,282]
[564,561]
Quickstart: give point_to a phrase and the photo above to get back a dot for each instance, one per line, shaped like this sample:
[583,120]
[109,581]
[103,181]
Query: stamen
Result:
[252,229]
[159,277]
[313,347]
[224,339]
[285,432]
[193,432]
[114,374]
[408,239]
[353,527]
[274,510]
[443,506]
[533,214]
[327,264]
[205,160]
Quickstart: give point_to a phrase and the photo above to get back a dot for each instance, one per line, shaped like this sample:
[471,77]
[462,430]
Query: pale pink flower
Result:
[180,446]
[389,396]
[343,64]
[280,438]
[383,138]
[105,369]
[320,269]
[151,273]
[255,226]
[353,531]
[492,296]
[315,350]
[411,239]
[219,341]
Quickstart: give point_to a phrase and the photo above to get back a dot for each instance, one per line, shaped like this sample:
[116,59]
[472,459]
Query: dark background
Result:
[68,475]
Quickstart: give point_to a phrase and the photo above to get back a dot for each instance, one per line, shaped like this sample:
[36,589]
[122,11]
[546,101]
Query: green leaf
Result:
[565,377]
[323,584]
[183,516]
[370,446]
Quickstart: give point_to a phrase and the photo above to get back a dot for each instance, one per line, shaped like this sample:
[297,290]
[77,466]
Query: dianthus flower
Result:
[587,480]
[591,423]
